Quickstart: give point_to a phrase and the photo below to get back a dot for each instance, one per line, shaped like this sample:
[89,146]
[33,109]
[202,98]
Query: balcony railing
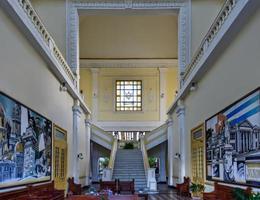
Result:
[36,21]
[214,29]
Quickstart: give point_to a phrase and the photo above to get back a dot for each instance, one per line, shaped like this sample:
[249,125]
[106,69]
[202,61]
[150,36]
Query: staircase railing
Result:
[108,172]
[102,137]
[149,172]
[156,136]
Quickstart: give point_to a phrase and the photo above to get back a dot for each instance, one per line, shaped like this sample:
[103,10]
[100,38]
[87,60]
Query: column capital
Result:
[169,121]
[88,122]
[77,110]
[180,108]
[94,70]
[162,69]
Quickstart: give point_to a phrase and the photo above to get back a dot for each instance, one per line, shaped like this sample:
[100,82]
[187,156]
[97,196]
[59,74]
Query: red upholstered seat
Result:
[184,188]
[222,192]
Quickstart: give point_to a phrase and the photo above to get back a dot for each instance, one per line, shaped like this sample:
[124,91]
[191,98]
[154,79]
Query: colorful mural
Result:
[233,142]
[25,144]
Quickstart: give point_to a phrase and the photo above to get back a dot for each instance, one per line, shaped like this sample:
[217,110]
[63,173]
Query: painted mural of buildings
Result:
[233,143]
[21,151]
[30,147]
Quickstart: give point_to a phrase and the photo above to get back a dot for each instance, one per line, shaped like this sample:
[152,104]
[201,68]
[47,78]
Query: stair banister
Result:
[149,172]
[108,172]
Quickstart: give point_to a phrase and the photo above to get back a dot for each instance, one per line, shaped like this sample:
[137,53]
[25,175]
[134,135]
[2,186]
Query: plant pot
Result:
[196,198]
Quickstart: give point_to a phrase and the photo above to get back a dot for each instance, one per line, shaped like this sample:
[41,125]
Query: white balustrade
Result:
[38,24]
[108,172]
[149,172]
[215,28]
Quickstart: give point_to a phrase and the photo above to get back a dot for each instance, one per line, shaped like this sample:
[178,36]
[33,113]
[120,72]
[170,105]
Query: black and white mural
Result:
[25,144]
[233,142]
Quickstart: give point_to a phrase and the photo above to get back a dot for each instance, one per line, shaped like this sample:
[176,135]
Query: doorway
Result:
[60,158]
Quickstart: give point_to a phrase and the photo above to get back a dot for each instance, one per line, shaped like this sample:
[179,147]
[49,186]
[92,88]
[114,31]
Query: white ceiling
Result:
[140,35]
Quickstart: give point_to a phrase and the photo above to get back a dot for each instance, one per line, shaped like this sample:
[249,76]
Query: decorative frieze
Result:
[213,31]
[38,24]
[181,6]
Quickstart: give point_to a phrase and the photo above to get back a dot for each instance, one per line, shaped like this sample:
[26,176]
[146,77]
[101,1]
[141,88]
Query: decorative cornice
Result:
[28,21]
[74,6]
[38,24]
[215,28]
[88,122]
[231,17]
[169,121]
[128,63]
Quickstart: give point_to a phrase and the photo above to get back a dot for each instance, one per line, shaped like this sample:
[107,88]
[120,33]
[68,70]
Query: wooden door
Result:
[197,154]
[60,158]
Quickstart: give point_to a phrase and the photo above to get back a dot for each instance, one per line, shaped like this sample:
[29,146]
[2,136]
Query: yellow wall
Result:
[86,85]
[234,74]
[203,13]
[25,77]
[53,15]
[128,36]
[150,96]
[106,94]
[172,84]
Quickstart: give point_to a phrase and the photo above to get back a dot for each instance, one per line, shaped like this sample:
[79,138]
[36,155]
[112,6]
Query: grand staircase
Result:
[129,165]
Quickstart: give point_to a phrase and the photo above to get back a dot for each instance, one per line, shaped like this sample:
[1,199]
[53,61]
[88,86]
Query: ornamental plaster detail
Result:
[74,6]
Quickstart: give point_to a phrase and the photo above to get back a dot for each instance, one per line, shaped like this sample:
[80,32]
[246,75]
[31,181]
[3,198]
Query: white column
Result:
[162,163]
[95,73]
[183,140]
[76,123]
[170,150]
[163,115]
[88,135]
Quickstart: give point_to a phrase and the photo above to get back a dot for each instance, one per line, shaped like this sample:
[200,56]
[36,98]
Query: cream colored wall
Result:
[176,149]
[86,85]
[128,36]
[203,13]
[172,84]
[234,74]
[150,96]
[53,15]
[107,78]
[26,77]
[84,163]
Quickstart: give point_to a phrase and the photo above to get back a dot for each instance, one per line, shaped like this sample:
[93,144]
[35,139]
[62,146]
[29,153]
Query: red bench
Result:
[109,185]
[184,188]
[74,188]
[126,186]
[222,192]
[35,192]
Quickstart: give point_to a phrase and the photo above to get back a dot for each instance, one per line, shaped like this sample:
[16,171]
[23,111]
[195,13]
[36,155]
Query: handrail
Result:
[36,21]
[155,131]
[145,156]
[108,172]
[156,136]
[211,34]
[225,22]
[149,172]
[102,137]
[113,155]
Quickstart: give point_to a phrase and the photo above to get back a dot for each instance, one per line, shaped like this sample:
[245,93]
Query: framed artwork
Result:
[233,142]
[197,154]
[25,144]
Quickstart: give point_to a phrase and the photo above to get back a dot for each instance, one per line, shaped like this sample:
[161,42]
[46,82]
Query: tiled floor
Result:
[165,193]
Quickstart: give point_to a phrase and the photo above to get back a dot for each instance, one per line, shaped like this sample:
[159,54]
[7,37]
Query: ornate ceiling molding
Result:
[128,63]
[183,7]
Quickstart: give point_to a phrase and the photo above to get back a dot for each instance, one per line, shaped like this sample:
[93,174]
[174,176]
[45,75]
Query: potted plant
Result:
[254,196]
[196,190]
[240,194]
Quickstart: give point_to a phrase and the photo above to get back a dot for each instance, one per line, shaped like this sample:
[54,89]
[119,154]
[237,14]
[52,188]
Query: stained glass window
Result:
[129,95]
